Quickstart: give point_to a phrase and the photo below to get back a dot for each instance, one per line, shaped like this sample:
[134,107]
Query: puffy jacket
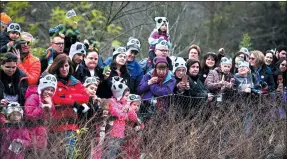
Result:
[156,90]
[19,79]
[10,133]
[35,117]
[32,67]
[65,97]
[116,110]
[213,79]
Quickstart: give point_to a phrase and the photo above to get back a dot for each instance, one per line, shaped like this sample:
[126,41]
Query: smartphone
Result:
[106,69]
[185,79]
[16,147]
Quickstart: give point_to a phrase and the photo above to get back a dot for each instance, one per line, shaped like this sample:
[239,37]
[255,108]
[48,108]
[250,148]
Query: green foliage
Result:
[15,10]
[245,41]
[283,5]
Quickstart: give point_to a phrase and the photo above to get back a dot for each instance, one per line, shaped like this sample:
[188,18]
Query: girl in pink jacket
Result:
[15,137]
[118,108]
[39,110]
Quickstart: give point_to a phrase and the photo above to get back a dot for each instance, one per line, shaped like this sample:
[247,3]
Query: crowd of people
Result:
[72,84]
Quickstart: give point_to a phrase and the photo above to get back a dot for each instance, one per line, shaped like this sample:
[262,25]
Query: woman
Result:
[70,93]
[117,68]
[207,63]
[157,82]
[13,82]
[90,68]
[179,70]
[264,81]
[240,56]
[269,60]
[280,74]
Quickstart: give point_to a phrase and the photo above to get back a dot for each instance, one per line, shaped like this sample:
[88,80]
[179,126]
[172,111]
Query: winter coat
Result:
[18,87]
[156,90]
[203,75]
[153,39]
[116,110]
[213,79]
[4,40]
[135,71]
[241,81]
[36,116]
[263,75]
[67,93]
[32,67]
[48,58]
[197,89]
[10,132]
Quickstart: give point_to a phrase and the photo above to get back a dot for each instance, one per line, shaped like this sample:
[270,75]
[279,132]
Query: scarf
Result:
[160,79]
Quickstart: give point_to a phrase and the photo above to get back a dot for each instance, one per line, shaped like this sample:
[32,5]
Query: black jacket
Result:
[18,87]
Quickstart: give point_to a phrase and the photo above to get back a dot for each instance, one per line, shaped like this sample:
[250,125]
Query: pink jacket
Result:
[36,116]
[8,135]
[116,109]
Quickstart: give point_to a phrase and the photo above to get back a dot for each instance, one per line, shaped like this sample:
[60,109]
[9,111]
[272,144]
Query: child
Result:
[131,147]
[9,41]
[39,109]
[118,107]
[15,138]
[160,32]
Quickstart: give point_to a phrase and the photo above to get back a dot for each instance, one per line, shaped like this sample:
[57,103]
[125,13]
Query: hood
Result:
[31,90]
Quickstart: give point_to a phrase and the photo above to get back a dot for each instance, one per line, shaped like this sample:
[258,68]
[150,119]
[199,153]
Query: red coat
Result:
[64,99]
[36,115]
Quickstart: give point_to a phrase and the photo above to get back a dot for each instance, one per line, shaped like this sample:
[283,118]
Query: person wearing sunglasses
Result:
[264,81]
[13,81]
[27,62]
[8,41]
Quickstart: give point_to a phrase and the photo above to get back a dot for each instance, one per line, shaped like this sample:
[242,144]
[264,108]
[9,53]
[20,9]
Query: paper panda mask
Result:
[160,21]
[133,41]
[118,87]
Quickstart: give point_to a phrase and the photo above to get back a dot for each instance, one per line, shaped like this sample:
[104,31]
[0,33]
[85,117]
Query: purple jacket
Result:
[156,90]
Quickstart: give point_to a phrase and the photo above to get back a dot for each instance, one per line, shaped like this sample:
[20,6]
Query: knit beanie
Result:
[158,60]
[190,62]
[118,87]
[14,107]
[77,48]
[119,50]
[225,60]
[47,81]
[178,63]
[161,44]
[243,64]
[91,80]
[245,51]
[5,19]
[14,27]
[133,43]
[160,21]
[134,98]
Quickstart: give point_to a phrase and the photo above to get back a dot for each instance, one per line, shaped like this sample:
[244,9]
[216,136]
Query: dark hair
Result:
[190,62]
[233,61]
[8,57]
[280,48]
[58,62]
[278,63]
[203,61]
[123,68]
[88,52]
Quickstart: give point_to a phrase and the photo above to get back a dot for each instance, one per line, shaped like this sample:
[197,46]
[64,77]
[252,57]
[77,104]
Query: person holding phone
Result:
[179,70]
[39,108]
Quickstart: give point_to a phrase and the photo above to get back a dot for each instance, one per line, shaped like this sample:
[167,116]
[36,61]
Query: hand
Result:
[10,43]
[126,109]
[4,102]
[48,100]
[210,97]
[107,75]
[181,85]
[247,90]
[187,86]
[221,51]
[17,53]
[152,80]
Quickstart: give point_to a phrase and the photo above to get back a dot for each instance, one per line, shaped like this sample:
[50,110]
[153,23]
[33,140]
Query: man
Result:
[281,52]
[56,48]
[26,62]
[77,53]
[161,50]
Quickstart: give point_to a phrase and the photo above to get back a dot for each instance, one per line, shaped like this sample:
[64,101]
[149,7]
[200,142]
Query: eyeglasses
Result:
[59,44]
[283,65]
[162,50]
[252,58]
[28,43]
